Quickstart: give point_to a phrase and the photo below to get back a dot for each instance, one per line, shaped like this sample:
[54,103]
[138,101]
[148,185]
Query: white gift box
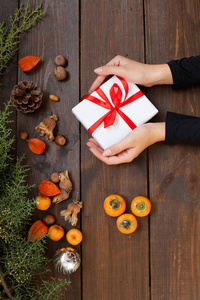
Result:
[128,113]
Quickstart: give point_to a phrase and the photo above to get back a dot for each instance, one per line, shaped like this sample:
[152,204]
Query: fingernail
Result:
[107,152]
[98,70]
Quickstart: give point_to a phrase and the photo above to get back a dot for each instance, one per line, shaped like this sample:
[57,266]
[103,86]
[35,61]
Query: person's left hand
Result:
[131,146]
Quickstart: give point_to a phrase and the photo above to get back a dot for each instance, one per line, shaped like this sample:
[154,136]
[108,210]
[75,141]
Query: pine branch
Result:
[6,140]
[50,290]
[5,287]
[10,35]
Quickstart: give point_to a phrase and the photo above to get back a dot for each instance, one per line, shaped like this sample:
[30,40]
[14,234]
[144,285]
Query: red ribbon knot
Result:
[118,102]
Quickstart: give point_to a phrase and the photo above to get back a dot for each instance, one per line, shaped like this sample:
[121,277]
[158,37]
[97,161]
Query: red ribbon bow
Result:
[116,97]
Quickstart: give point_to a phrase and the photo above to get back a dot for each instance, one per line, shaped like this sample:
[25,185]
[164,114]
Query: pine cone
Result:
[26,96]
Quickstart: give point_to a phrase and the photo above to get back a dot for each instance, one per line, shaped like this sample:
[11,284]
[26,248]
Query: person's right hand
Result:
[131,146]
[133,71]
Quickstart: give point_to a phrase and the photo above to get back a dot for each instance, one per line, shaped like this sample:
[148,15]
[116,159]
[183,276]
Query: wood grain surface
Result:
[160,261]
[55,34]
[174,170]
[115,266]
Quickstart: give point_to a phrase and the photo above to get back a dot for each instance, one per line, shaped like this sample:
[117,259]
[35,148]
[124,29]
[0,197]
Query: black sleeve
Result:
[182,129]
[185,71]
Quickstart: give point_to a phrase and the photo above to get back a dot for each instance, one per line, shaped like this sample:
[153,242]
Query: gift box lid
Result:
[117,100]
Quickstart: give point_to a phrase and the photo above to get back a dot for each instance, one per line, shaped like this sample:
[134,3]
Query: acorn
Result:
[60,140]
[60,60]
[59,73]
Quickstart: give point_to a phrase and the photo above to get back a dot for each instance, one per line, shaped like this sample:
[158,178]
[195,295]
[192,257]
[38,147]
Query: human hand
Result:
[133,71]
[131,146]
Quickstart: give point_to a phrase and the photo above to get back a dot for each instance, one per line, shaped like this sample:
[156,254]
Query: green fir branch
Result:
[50,289]
[21,261]
[6,140]
[10,35]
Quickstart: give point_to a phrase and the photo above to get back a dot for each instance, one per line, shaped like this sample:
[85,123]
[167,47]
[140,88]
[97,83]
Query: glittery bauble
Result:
[66,260]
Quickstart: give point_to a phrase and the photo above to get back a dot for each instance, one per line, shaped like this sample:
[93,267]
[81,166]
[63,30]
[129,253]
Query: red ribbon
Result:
[116,97]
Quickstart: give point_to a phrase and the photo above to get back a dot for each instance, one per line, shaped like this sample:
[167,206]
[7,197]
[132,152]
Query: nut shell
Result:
[55,177]
[59,73]
[60,140]
[23,135]
[60,60]
[49,220]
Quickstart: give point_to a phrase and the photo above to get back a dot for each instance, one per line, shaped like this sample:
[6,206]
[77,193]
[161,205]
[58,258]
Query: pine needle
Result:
[10,35]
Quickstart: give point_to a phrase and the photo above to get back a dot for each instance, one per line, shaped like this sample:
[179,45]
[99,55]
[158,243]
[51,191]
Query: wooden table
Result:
[161,260]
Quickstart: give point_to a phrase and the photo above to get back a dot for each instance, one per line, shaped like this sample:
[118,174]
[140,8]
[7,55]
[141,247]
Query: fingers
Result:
[117,148]
[103,72]
[112,67]
[98,152]
[124,156]
[98,81]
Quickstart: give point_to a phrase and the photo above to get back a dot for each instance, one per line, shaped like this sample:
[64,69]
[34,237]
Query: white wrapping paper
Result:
[140,111]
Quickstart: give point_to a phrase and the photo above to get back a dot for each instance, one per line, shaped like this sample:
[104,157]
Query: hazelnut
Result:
[55,177]
[60,60]
[59,73]
[49,220]
[23,135]
[60,140]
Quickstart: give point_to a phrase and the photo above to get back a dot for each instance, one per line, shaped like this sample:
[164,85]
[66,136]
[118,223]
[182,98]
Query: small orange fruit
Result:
[114,205]
[127,223]
[56,232]
[141,206]
[74,236]
[42,202]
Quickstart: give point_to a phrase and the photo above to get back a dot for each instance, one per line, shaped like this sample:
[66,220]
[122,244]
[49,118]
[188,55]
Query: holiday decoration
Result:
[21,262]
[114,205]
[127,223]
[48,188]
[42,202]
[28,63]
[67,260]
[37,230]
[47,126]
[59,73]
[36,146]
[22,20]
[23,135]
[141,206]
[60,60]
[72,211]
[60,140]
[49,220]
[113,110]
[54,98]
[74,236]
[56,232]
[26,96]
[65,185]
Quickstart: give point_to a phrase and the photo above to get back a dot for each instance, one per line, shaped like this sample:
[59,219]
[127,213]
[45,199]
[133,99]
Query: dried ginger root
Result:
[65,187]
[72,211]
[47,126]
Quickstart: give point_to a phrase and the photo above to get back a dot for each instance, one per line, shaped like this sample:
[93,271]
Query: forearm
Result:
[182,129]
[185,71]
[158,74]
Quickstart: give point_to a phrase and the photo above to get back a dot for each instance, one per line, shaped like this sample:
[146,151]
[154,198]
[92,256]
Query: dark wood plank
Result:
[174,170]
[115,266]
[58,33]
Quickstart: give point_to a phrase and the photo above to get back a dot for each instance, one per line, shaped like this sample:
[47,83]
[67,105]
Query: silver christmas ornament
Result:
[66,260]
